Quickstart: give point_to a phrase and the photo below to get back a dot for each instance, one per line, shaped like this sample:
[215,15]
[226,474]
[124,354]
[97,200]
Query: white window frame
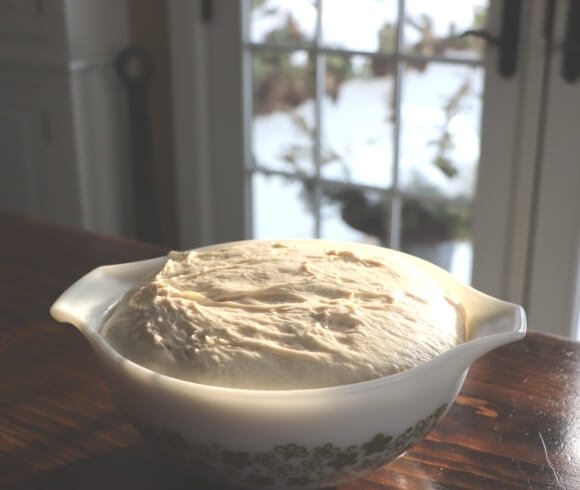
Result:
[205,58]
[394,194]
[501,224]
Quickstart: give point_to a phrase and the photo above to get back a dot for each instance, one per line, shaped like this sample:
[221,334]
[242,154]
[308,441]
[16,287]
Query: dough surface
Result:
[285,315]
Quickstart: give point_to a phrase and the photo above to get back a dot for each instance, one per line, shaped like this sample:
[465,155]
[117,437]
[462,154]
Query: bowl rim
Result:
[356,387]
[496,339]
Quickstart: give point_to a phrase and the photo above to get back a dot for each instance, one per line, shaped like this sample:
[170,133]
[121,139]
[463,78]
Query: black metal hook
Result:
[484,34]
[571,46]
[508,39]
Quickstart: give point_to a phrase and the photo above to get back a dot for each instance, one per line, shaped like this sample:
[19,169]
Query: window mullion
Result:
[319,80]
[395,221]
[247,104]
[410,57]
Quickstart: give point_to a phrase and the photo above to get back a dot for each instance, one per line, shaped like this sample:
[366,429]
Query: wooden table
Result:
[515,424]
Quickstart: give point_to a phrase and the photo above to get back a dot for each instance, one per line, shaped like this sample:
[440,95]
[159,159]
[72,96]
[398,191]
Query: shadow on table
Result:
[134,467]
[137,467]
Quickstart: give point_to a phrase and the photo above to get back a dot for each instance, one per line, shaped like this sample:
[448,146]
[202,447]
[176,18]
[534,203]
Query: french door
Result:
[374,121]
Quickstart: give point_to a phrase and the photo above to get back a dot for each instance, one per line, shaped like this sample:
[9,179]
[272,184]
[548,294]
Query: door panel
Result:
[552,293]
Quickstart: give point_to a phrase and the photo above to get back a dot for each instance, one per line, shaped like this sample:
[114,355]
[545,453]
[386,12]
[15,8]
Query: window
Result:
[366,133]
[295,65]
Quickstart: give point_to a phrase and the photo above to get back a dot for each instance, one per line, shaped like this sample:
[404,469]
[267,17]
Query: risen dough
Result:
[285,315]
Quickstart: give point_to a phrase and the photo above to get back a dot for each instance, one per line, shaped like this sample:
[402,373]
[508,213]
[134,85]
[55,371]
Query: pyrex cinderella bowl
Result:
[304,438]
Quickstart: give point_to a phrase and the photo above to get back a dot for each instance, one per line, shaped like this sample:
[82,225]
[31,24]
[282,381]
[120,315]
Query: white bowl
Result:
[285,439]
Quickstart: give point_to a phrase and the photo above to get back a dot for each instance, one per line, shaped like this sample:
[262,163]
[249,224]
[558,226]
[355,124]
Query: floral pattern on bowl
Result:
[290,464]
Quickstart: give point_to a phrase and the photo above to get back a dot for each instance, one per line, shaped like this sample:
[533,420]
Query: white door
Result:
[363,121]
[551,286]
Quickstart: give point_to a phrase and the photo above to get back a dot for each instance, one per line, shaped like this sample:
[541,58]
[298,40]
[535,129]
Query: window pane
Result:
[282,207]
[357,111]
[432,28]
[439,233]
[283,21]
[283,124]
[353,214]
[440,129]
[362,25]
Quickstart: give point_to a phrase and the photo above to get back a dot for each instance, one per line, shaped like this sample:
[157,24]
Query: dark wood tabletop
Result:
[515,424]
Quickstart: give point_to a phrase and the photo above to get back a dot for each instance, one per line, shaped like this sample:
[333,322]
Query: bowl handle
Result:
[85,303]
[498,323]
